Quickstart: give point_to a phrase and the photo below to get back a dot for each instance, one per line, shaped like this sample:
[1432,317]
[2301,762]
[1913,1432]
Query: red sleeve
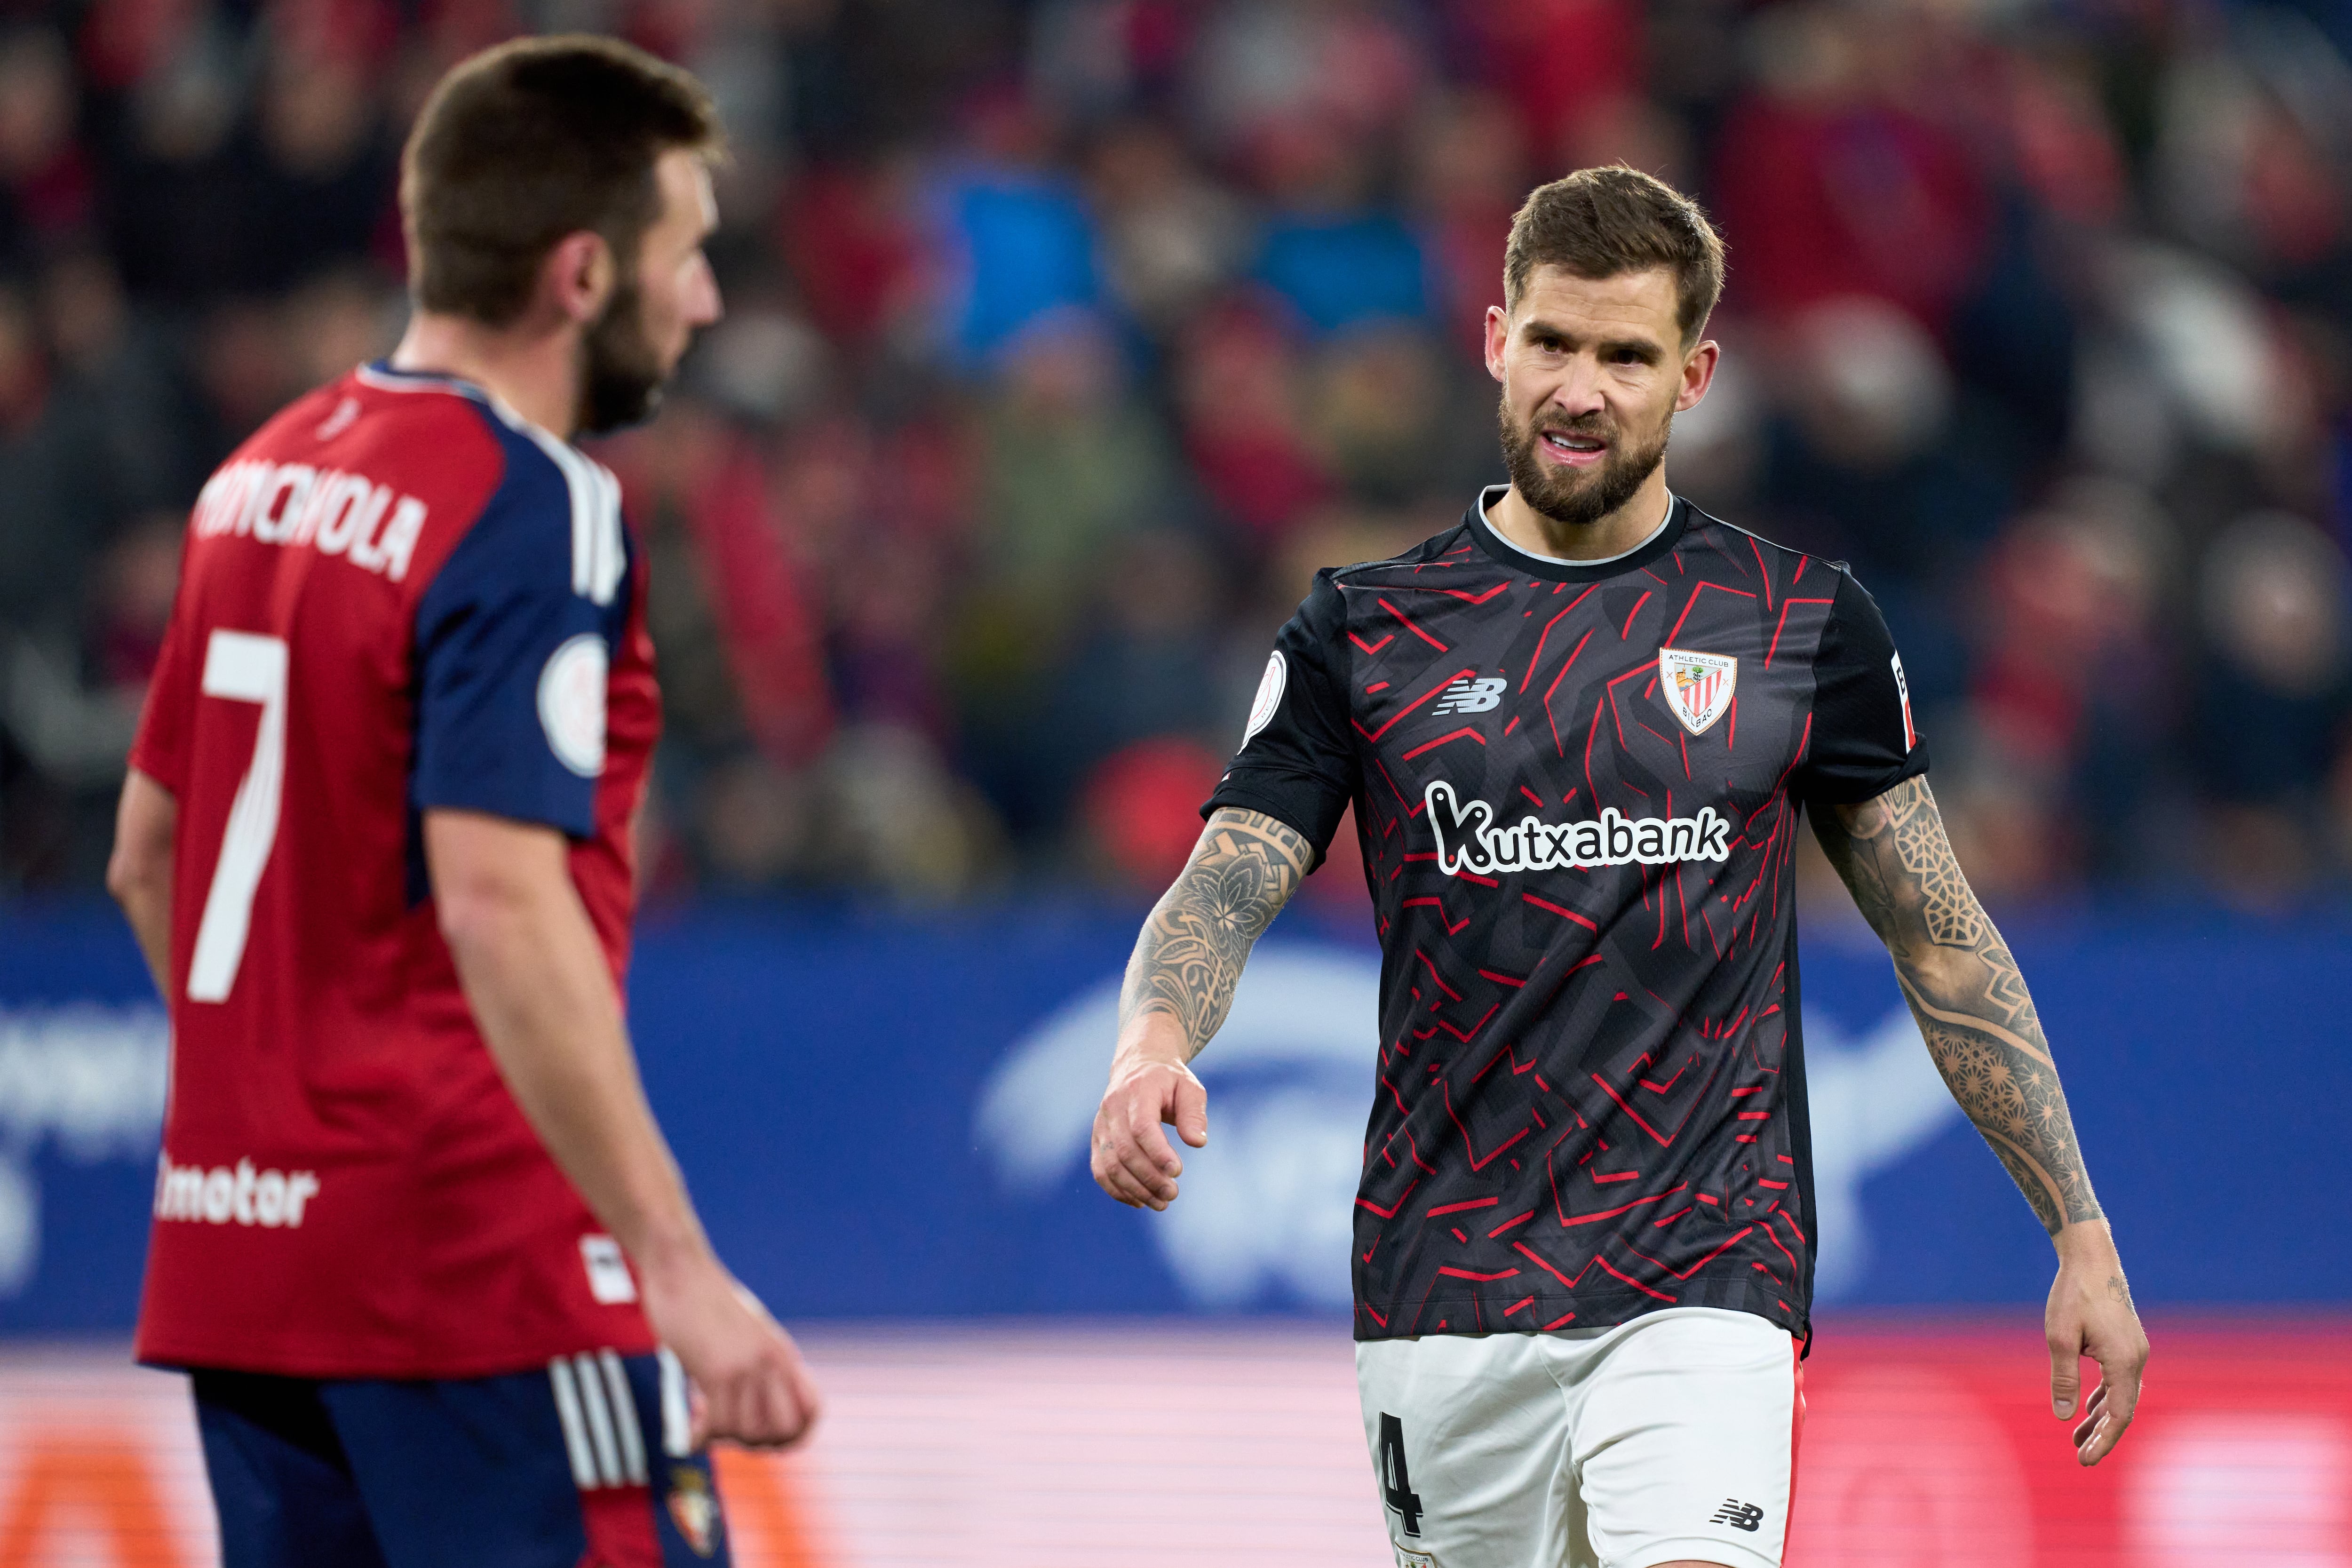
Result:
[161,748]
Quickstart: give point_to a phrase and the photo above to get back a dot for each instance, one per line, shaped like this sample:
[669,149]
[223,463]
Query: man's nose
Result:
[702,303]
[1579,391]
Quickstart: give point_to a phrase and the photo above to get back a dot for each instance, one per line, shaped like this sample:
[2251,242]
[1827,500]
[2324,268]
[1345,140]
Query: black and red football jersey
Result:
[1577,788]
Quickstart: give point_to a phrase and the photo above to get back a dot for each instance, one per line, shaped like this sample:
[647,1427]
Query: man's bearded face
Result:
[1578,497]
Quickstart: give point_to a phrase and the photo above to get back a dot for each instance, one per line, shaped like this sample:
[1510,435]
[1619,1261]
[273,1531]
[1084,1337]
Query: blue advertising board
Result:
[887,1117]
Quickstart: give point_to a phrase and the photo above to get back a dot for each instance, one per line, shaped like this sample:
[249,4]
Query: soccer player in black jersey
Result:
[1578,728]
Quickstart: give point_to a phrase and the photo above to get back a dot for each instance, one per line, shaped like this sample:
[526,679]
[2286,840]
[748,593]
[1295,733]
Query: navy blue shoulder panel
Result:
[512,651]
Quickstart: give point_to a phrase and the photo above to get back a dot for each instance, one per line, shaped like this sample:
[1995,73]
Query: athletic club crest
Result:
[1696,686]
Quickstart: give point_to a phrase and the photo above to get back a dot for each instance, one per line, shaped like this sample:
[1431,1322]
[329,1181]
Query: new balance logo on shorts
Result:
[1468,696]
[1744,1515]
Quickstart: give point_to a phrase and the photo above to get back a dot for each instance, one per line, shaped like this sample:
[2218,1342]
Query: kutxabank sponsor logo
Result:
[1468,840]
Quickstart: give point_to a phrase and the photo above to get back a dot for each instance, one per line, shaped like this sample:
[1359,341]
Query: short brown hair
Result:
[1599,223]
[531,140]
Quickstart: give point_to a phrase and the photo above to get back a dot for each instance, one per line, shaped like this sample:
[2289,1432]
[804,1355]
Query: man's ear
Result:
[1698,374]
[578,277]
[1498,338]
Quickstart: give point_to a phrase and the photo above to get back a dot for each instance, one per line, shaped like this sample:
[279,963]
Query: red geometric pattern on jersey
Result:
[1589,1098]
[442,1241]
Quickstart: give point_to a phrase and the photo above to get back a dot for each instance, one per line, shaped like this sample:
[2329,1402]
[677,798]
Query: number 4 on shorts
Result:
[1396,1485]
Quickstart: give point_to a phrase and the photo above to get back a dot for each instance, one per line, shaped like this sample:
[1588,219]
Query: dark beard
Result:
[621,377]
[1578,500]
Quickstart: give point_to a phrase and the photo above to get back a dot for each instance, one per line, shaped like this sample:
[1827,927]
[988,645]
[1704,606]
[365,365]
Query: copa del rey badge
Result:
[1269,696]
[1696,686]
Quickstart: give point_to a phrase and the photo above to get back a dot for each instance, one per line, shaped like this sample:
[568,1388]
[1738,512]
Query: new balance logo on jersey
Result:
[1468,696]
[232,1195]
[1744,1515]
[1468,840]
[333,513]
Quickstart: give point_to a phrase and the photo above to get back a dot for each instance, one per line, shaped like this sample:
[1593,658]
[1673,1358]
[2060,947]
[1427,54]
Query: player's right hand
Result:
[1133,1161]
[750,1384]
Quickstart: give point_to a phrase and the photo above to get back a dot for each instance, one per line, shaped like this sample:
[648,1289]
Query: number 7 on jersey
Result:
[242,668]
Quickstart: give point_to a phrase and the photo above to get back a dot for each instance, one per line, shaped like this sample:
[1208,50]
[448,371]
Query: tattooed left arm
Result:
[1979,1021]
[1965,990]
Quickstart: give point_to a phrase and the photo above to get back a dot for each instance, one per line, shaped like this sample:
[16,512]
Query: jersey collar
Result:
[1508,555]
[384,377]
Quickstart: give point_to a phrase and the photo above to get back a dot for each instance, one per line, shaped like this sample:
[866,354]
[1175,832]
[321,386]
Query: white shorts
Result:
[1672,1436]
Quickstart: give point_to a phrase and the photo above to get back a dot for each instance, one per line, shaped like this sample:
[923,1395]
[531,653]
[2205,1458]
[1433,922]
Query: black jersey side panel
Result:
[1807,1211]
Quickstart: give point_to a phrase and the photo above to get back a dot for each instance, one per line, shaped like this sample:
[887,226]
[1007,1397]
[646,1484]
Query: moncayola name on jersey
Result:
[1482,848]
[333,513]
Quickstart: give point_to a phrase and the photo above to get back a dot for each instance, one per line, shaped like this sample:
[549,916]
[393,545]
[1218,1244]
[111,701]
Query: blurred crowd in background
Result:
[1065,338]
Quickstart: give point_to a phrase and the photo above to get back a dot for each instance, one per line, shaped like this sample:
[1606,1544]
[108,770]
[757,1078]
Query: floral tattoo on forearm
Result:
[1190,956]
[1964,988]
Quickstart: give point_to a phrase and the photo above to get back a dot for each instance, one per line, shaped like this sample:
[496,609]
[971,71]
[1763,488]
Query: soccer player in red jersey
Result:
[1577,729]
[416,1235]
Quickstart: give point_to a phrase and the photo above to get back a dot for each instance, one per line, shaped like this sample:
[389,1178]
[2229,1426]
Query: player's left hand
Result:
[2091,1314]
[749,1383]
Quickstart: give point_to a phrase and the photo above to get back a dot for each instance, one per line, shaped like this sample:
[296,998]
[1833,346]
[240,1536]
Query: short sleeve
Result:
[1864,740]
[1297,762]
[511,666]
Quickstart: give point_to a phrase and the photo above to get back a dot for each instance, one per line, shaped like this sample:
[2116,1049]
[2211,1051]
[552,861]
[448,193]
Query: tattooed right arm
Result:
[1190,956]
[1179,986]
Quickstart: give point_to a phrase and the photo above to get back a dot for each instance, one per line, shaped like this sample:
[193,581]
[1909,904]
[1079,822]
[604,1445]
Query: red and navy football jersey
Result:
[398,596]
[1577,788]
